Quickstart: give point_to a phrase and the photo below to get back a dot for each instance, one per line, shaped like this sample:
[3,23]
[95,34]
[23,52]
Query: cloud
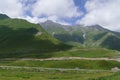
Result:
[59,8]
[41,20]
[36,11]
[31,19]
[103,12]
[55,10]
[12,8]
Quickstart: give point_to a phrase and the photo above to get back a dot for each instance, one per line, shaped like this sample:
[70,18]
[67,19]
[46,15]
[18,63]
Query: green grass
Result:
[115,76]
[87,52]
[49,75]
[81,64]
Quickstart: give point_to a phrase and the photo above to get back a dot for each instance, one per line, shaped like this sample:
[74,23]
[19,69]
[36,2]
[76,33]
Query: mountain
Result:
[23,39]
[3,16]
[84,36]
[52,27]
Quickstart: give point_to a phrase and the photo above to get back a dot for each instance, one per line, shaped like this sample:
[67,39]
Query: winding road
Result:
[42,68]
[62,58]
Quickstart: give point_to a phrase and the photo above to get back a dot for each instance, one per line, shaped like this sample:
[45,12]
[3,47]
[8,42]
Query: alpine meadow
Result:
[59,40]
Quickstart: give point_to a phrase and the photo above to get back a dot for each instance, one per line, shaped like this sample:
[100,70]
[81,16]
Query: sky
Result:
[68,12]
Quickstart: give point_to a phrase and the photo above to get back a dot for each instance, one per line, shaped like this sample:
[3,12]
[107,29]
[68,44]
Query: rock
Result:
[115,69]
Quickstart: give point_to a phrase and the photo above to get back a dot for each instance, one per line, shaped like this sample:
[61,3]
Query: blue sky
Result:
[68,12]
[80,4]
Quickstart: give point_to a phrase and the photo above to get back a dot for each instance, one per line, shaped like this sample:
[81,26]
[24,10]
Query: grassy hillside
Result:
[87,52]
[21,38]
[112,42]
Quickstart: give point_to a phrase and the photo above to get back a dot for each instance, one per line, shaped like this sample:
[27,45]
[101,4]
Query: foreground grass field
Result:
[115,76]
[19,74]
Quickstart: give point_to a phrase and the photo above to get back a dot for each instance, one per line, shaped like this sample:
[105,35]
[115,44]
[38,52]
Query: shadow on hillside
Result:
[69,38]
[112,42]
[22,43]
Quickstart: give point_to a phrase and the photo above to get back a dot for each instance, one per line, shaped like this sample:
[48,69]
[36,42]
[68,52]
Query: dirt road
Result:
[62,58]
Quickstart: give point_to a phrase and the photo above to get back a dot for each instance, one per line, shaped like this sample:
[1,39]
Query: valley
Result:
[52,51]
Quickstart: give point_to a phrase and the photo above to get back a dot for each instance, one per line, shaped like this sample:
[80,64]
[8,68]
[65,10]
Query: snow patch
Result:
[38,34]
[84,35]
[53,33]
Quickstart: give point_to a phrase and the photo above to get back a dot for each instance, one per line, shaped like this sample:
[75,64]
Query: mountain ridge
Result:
[85,36]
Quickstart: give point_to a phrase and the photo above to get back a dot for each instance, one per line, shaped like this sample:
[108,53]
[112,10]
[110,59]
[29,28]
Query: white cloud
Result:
[103,12]
[59,8]
[64,23]
[41,20]
[40,10]
[12,8]
[31,19]
[55,10]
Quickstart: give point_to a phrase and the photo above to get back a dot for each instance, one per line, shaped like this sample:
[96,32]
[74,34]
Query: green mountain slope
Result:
[85,36]
[21,38]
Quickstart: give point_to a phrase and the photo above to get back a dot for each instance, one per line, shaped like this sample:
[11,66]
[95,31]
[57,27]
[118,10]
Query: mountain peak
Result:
[3,16]
[98,27]
[49,21]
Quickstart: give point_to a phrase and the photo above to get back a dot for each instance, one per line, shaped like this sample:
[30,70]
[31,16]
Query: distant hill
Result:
[85,36]
[21,38]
